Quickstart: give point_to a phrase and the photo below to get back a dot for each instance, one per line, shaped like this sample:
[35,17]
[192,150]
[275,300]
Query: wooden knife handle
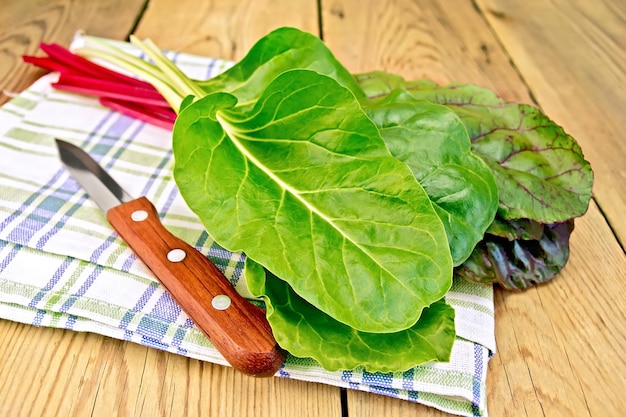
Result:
[237,329]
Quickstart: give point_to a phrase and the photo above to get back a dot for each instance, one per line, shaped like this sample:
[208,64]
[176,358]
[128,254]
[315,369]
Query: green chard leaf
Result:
[281,50]
[305,331]
[433,142]
[303,183]
[540,170]
[519,264]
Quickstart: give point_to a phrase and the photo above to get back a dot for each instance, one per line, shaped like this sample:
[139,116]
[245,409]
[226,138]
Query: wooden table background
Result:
[561,346]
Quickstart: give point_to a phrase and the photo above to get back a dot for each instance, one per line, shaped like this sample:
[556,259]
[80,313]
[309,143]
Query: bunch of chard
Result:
[357,199]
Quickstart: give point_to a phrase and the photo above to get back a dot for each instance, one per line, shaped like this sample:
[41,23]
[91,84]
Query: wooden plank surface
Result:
[223,29]
[560,345]
[572,55]
[432,39]
[53,372]
[24,24]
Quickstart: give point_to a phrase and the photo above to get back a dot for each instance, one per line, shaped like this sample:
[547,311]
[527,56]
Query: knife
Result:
[237,329]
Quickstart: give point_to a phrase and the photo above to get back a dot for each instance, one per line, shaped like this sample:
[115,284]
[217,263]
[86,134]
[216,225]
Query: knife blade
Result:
[237,328]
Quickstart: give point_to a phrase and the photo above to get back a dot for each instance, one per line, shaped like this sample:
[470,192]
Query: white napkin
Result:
[61,264]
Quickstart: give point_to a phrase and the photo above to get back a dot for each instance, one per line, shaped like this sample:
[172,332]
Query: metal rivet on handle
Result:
[176,255]
[139,215]
[221,302]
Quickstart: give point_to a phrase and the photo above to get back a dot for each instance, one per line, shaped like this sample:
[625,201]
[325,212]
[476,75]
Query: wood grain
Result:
[24,24]
[222,28]
[562,342]
[559,345]
[572,55]
[418,39]
[82,374]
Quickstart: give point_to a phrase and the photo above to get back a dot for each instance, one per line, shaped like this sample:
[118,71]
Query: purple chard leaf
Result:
[519,264]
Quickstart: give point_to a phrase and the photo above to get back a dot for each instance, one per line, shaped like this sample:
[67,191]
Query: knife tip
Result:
[61,142]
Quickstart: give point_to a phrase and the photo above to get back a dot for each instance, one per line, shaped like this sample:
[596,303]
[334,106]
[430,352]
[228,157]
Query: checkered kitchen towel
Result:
[61,264]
